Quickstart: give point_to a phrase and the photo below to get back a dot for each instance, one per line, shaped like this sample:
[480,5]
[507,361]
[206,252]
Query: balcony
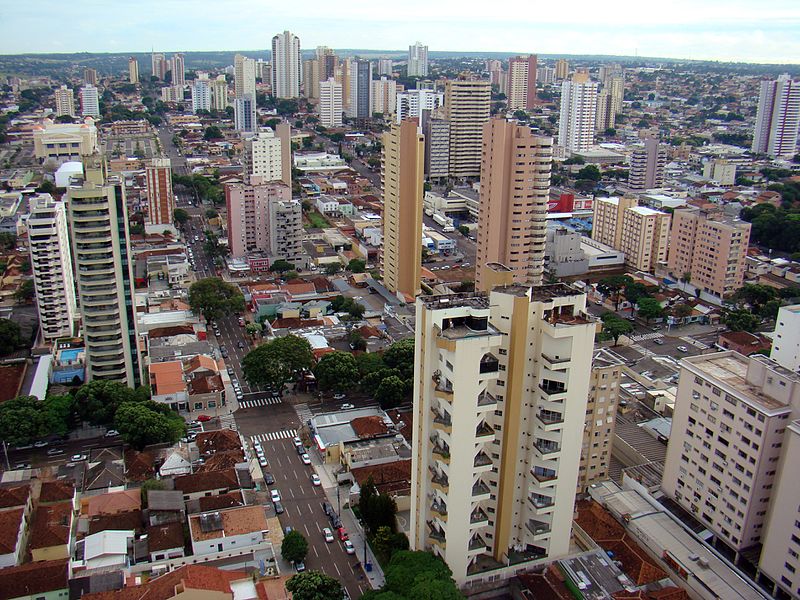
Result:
[444,390]
[544,476]
[439,481]
[552,388]
[539,529]
[484,432]
[489,364]
[556,363]
[481,461]
[486,401]
[476,544]
[478,518]
[442,454]
[439,509]
[549,420]
[442,422]
[436,536]
[541,504]
[480,491]
[547,448]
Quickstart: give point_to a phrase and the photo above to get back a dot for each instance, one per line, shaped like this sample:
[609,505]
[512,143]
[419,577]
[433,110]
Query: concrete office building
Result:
[467,108]
[287,66]
[500,388]
[418,60]
[330,107]
[521,82]
[65,102]
[647,165]
[178,68]
[158,65]
[385,66]
[360,89]
[778,118]
[244,76]
[90,101]
[311,78]
[201,94]
[133,70]
[402,178]
[344,75]
[730,420]
[62,142]
[786,341]
[576,125]
[264,218]
[245,117]
[51,263]
[711,247]
[437,145]
[383,96]
[515,188]
[219,93]
[411,104]
[262,158]
[104,274]
[546,75]
[605,117]
[172,94]
[721,171]
[562,69]
[160,197]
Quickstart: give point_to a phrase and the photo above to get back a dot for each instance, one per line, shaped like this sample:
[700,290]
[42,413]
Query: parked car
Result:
[203,418]
[269,479]
[112,433]
[278,508]
[305,458]
[342,533]
[297,442]
[275,495]
[78,457]
[339,396]
[315,480]
[683,349]
[263,461]
[348,547]
[40,444]
[658,342]
[300,566]
[327,508]
[347,406]
[240,344]
[55,452]
[20,466]
[328,535]
[287,530]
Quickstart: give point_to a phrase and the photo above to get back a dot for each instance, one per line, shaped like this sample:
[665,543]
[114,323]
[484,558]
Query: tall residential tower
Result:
[778,117]
[287,65]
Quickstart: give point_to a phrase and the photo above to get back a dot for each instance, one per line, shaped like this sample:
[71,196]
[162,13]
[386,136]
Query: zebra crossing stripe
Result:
[259,402]
[274,435]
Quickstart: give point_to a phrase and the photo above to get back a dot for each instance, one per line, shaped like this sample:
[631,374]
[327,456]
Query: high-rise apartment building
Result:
[437,145]
[521,82]
[607,219]
[647,165]
[418,60]
[90,101]
[177,66]
[133,70]
[264,218]
[287,65]
[711,247]
[360,89]
[515,189]
[729,423]
[201,94]
[410,104]
[605,117]
[65,102]
[496,74]
[160,197]
[786,341]
[51,263]
[402,178]
[778,117]
[264,71]
[500,388]
[262,158]
[328,62]
[330,103]
[245,117]
[311,74]
[158,65]
[601,412]
[172,94]
[578,112]
[721,171]
[383,96]
[344,75]
[562,69]
[385,66]
[244,76]
[90,76]
[546,75]
[104,274]
[219,93]
[467,105]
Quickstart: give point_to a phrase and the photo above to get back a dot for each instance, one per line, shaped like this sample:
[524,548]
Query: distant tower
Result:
[219,93]
[521,82]
[90,101]
[330,103]
[90,76]
[467,106]
[178,69]
[778,118]
[287,65]
[160,198]
[158,65]
[201,94]
[578,113]
[418,60]
[360,89]
[65,102]
[133,70]
[647,166]
[562,69]
[244,76]
[244,113]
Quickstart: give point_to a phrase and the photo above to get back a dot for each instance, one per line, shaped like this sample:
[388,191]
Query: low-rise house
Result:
[15,510]
[47,580]
[51,531]
[111,503]
[228,529]
[165,506]
[165,541]
[198,485]
[108,550]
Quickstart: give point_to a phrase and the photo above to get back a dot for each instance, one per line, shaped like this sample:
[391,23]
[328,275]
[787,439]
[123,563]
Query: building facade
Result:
[576,125]
[201,95]
[515,189]
[384,96]
[521,82]
[133,70]
[245,117]
[62,142]
[287,66]
[360,89]
[244,76]
[645,238]
[51,263]
[263,157]
[647,165]
[778,117]
[90,101]
[330,103]
[562,69]
[65,102]
[411,104]
[178,68]
[437,145]
[402,178]
[500,387]
[467,108]
[160,197]
[219,93]
[418,60]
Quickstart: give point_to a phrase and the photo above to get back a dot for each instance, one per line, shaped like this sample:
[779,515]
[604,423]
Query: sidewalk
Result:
[351,524]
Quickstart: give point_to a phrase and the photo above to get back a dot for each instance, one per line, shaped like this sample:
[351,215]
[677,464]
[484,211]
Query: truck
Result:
[444,222]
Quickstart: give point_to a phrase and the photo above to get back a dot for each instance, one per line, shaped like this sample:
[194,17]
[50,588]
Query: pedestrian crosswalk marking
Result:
[696,343]
[646,336]
[303,412]
[274,435]
[227,422]
[259,402]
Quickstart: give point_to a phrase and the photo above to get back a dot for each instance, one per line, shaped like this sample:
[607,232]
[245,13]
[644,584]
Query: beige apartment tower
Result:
[562,68]
[402,178]
[467,105]
[521,82]
[515,188]
[711,248]
[65,102]
[133,70]
[500,388]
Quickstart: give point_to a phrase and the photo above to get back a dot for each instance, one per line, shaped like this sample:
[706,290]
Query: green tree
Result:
[313,585]
[333,268]
[253,328]
[357,265]
[23,420]
[98,401]
[211,213]
[650,308]
[590,172]
[611,286]
[463,230]
[10,338]
[60,413]
[294,547]
[25,292]
[356,341]
[281,266]
[614,327]
[180,216]
[377,510]
[755,295]
[336,371]
[400,356]
[140,425]
[634,291]
[369,362]
[8,240]
[390,392]
[212,133]
[408,568]
[278,362]
[741,320]
[212,297]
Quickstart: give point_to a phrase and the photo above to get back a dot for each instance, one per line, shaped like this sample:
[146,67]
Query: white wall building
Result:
[245,117]
[244,76]
[287,65]
[262,157]
[90,101]
[578,112]
[786,342]
[418,60]
[412,103]
[228,529]
[330,103]
[201,95]
[384,96]
[778,117]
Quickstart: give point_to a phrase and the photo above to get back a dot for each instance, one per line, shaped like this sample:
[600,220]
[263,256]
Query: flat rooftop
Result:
[444,301]
[540,293]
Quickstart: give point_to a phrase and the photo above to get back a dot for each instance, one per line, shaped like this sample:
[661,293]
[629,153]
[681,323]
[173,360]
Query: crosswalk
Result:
[227,422]
[646,336]
[695,343]
[260,402]
[303,412]
[274,435]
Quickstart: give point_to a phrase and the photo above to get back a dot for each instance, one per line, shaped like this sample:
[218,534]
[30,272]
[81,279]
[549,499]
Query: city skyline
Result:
[738,31]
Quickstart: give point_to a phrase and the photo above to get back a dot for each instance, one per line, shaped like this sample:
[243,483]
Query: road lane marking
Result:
[338,572]
[275,435]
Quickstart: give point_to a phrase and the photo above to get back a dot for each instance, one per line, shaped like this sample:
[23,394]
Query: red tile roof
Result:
[10,522]
[51,526]
[34,578]
[218,441]
[11,377]
[221,461]
[14,496]
[164,537]
[201,482]
[139,466]
[131,519]
[369,427]
[56,491]
[387,477]
[220,502]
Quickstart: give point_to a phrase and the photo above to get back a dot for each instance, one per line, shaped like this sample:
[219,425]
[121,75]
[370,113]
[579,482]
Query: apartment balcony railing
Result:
[482,460]
[480,489]
[552,390]
[484,430]
[546,446]
[478,517]
[538,528]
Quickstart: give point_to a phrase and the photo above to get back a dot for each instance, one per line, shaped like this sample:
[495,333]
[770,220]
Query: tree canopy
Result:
[294,547]
[281,266]
[10,338]
[277,362]
[741,320]
[417,575]
[23,420]
[212,297]
[614,327]
[357,265]
[611,286]
[337,371]
[180,216]
[98,400]
[145,423]
[650,308]
[313,585]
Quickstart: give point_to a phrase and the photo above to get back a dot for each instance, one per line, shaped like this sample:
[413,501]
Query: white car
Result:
[296,441]
[305,458]
[112,433]
[683,349]
[348,547]
[275,495]
[315,480]
[262,460]
[328,535]
[257,444]
[347,406]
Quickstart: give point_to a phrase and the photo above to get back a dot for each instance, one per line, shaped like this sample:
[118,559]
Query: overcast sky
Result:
[741,30]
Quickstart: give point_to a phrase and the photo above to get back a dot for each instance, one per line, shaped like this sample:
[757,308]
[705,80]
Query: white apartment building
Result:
[219,93]
[418,60]
[330,103]
[786,342]
[65,102]
[62,142]
[90,101]
[244,76]
[576,125]
[51,262]
[778,117]
[245,117]
[287,65]
[383,96]
[172,94]
[262,158]
[104,275]
[201,94]
[730,419]
[178,69]
[410,104]
[500,387]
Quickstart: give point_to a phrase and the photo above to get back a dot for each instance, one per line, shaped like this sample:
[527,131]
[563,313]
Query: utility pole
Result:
[5,450]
